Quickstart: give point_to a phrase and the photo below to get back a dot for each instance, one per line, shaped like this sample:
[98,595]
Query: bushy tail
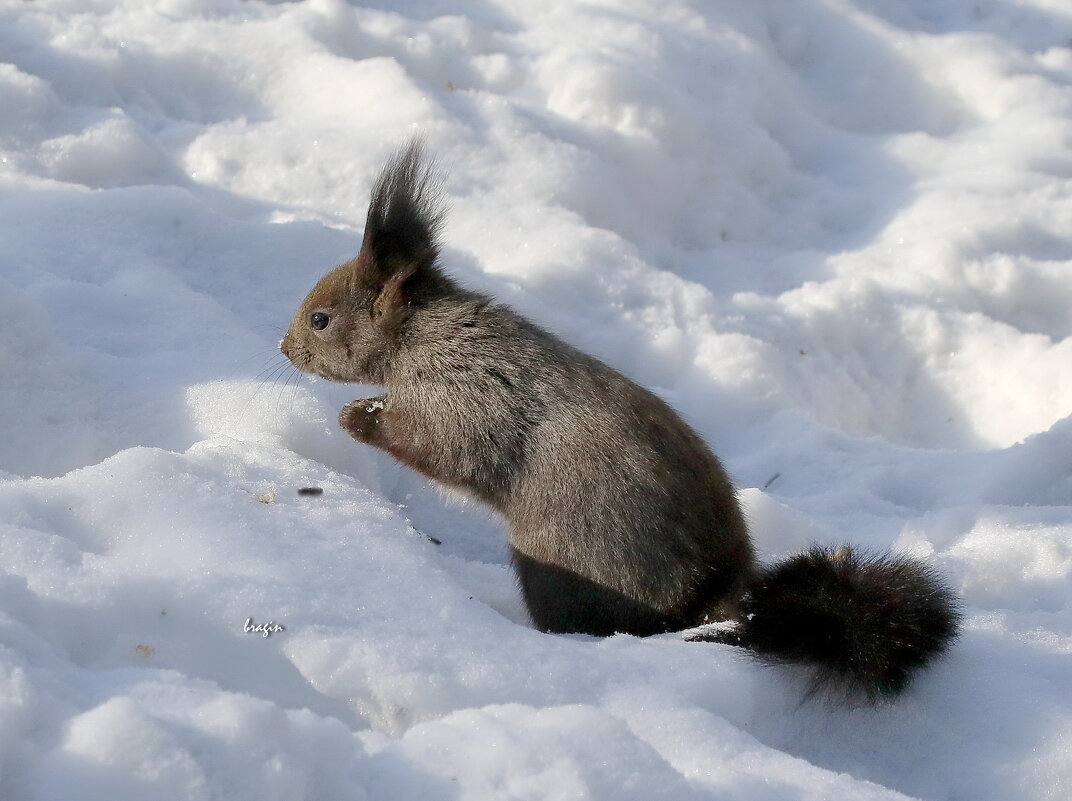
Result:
[865,623]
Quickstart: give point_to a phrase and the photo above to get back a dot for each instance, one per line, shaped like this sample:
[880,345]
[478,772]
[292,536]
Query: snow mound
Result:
[836,234]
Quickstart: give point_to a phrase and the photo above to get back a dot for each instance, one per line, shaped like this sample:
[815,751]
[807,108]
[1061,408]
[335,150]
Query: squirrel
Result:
[620,518]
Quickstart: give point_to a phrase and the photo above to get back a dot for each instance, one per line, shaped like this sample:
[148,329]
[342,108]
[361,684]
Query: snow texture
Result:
[835,234]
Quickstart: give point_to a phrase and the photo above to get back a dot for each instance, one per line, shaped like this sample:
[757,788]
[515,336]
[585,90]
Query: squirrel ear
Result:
[404,216]
[393,295]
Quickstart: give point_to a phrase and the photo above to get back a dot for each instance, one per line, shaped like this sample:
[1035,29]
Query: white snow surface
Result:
[835,234]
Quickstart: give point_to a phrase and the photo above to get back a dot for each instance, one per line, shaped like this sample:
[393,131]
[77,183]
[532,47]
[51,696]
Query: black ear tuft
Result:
[404,215]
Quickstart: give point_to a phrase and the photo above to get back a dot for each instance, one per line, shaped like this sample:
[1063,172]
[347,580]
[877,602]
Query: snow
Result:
[835,234]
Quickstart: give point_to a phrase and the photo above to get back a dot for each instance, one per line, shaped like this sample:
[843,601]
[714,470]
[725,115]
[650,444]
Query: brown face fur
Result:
[351,324]
[352,346]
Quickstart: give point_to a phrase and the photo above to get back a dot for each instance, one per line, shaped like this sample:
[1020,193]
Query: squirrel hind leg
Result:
[560,600]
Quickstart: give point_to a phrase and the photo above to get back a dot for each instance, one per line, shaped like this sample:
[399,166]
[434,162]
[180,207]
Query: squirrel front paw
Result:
[360,417]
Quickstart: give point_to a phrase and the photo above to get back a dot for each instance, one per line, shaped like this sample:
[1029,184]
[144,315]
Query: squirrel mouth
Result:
[324,372]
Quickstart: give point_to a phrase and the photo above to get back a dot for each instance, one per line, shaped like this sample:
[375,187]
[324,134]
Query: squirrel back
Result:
[620,517]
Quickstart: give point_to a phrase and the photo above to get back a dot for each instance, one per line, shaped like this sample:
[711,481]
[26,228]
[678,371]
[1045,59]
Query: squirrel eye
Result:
[319,320]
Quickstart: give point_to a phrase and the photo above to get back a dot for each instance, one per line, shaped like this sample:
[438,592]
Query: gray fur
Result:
[620,518]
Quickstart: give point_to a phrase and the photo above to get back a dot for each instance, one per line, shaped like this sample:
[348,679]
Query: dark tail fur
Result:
[865,623]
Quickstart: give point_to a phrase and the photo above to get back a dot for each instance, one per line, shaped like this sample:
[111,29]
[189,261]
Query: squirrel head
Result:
[352,323]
